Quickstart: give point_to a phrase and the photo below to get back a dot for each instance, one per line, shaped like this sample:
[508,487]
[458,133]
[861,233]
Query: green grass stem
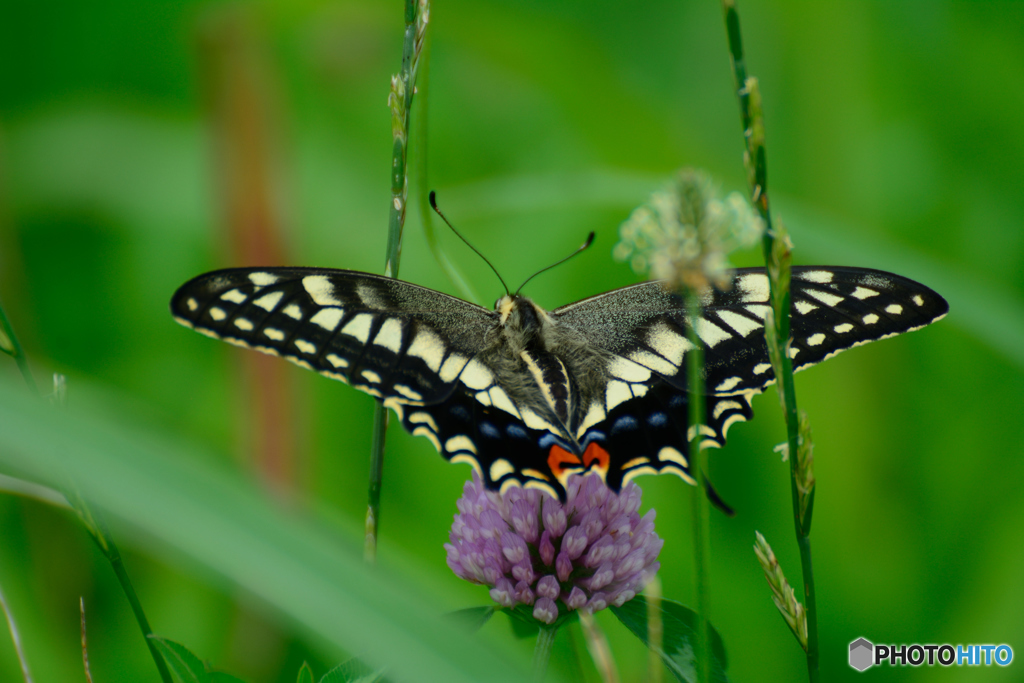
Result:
[402,88]
[776,251]
[700,511]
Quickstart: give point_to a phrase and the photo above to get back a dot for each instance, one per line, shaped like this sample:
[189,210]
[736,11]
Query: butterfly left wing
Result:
[645,328]
[401,343]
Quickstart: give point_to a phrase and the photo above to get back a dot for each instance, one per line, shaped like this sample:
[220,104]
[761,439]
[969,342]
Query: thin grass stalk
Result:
[756,165]
[423,182]
[698,466]
[12,626]
[402,88]
[85,642]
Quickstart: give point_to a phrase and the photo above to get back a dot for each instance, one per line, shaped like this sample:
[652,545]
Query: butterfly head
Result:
[520,315]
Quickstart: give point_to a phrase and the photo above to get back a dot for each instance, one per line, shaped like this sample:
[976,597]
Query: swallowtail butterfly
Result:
[528,396]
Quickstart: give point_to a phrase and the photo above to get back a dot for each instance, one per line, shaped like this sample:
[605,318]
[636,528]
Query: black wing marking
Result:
[833,309]
[399,342]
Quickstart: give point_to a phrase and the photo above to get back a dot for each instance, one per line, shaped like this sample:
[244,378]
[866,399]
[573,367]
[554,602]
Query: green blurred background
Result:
[144,143]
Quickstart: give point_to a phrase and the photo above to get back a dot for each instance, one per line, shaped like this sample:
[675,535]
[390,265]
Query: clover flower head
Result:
[683,234]
[593,551]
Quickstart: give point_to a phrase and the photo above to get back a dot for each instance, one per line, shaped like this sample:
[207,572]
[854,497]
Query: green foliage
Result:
[186,666]
[895,142]
[679,637]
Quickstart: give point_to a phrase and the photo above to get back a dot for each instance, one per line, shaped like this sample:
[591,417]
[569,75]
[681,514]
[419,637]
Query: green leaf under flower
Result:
[679,637]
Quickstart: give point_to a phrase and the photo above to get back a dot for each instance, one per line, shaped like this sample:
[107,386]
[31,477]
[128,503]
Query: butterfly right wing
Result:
[641,416]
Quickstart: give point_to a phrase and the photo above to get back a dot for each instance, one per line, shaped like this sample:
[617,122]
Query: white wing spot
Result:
[815,339]
[293,311]
[729,384]
[370,296]
[843,329]
[268,302]
[616,393]
[193,304]
[371,376]
[669,454]
[305,346]
[243,324]
[359,327]
[628,370]
[460,443]
[668,343]
[501,400]
[451,367]
[760,310]
[723,406]
[484,397]
[432,435]
[594,415]
[793,351]
[754,287]
[409,393]
[917,300]
[535,421]
[711,333]
[463,458]
[803,308]
[429,348]
[234,296]
[336,361]
[762,368]
[217,313]
[328,318]
[894,309]
[740,323]
[263,279]
[476,375]
[500,468]
[825,297]
[425,419]
[822,277]
[870,319]
[864,293]
[274,333]
[321,290]
[654,362]
[390,335]
[636,462]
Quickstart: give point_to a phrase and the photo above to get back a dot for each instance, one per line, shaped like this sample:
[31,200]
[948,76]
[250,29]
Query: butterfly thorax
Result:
[545,365]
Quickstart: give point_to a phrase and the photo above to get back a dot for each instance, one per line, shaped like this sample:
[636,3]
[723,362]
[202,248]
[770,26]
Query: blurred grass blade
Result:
[171,491]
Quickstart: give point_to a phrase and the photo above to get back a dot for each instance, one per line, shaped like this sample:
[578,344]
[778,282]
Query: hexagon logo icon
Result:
[862,654]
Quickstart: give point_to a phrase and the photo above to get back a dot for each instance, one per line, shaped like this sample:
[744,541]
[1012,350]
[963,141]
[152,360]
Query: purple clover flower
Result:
[591,552]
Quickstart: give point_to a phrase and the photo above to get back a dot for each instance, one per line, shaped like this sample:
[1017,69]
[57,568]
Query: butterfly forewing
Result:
[398,342]
[833,309]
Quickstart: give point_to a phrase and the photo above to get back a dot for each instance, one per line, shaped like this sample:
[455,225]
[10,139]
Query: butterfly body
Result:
[528,396]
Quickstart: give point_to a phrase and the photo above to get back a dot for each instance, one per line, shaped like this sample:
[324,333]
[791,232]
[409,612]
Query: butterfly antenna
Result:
[582,247]
[433,205]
